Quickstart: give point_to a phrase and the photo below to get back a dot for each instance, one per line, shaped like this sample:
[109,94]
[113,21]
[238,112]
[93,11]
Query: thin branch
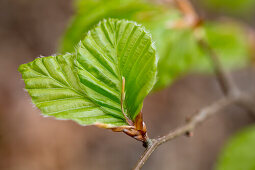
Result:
[248,106]
[225,80]
[197,119]
[192,18]
[232,95]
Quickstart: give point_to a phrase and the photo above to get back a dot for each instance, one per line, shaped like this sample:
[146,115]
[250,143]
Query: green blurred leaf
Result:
[92,94]
[90,12]
[239,152]
[231,6]
[230,41]
[177,48]
[180,53]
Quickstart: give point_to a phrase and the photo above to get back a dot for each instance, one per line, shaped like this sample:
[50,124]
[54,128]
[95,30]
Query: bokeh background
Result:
[28,141]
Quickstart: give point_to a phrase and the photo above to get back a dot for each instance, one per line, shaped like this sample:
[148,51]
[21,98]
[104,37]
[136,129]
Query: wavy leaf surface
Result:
[87,86]
[112,50]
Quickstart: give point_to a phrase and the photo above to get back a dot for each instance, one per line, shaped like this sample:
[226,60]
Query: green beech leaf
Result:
[239,152]
[112,50]
[87,86]
[55,90]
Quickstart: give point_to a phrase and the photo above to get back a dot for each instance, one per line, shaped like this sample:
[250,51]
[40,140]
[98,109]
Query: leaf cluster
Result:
[103,83]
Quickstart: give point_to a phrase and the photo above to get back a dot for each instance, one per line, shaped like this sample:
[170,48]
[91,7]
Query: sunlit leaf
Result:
[55,90]
[87,86]
[112,50]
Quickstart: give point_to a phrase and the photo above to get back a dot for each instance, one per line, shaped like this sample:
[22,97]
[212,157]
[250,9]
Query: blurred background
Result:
[28,141]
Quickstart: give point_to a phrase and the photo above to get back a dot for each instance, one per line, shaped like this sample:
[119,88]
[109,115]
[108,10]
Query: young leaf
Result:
[112,51]
[87,86]
[55,90]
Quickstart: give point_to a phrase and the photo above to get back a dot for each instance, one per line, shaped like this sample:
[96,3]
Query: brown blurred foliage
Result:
[28,141]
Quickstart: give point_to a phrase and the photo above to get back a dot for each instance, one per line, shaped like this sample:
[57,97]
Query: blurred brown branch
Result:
[232,95]
[225,80]
[197,119]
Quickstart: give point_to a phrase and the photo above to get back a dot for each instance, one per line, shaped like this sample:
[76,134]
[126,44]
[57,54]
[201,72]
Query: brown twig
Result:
[248,106]
[197,119]
[225,80]
[190,18]
[194,22]
[232,95]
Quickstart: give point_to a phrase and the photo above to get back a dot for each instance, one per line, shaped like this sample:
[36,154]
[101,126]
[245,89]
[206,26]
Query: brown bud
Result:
[189,134]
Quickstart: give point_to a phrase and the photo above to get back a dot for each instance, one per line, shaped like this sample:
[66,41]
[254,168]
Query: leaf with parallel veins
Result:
[55,90]
[87,86]
[113,50]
